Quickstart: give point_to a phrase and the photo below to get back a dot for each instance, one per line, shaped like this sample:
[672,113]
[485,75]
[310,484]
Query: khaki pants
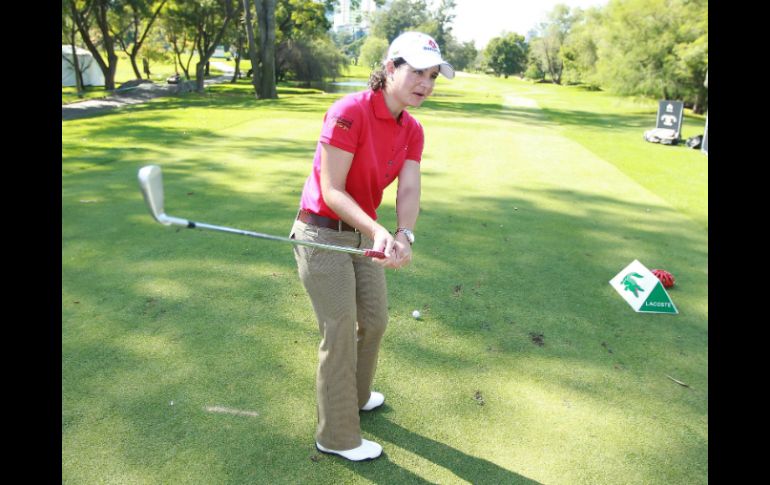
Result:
[349,297]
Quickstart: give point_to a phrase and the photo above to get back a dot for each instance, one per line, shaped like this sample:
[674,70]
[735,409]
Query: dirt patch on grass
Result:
[537,338]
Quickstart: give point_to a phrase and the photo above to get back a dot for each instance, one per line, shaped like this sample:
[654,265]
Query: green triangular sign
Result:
[658,301]
[642,290]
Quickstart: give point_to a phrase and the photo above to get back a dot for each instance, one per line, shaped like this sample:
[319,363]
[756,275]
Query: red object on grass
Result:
[665,277]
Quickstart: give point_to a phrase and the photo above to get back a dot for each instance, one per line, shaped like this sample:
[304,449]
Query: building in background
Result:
[349,20]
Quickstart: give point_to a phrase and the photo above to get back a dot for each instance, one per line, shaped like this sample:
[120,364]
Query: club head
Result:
[151,183]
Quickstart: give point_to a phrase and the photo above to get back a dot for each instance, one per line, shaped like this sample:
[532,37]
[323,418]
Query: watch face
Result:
[409,235]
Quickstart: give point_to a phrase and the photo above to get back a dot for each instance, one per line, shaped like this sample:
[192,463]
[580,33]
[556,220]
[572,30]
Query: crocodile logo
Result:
[630,284]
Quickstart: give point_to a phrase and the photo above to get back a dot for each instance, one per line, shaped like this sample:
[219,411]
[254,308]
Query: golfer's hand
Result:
[402,254]
[398,251]
[383,241]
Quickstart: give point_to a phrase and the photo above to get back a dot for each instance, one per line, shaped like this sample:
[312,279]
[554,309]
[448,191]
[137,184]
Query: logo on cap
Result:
[432,46]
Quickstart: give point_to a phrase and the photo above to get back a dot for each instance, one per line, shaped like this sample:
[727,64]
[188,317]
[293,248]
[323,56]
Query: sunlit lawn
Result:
[526,366]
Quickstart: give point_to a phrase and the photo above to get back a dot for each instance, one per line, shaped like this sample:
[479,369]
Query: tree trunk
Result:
[255,77]
[132,58]
[178,55]
[239,49]
[200,76]
[266,20]
[139,40]
[76,65]
[112,68]
[700,105]
[78,73]
[268,59]
[100,9]
[200,65]
[205,56]
[109,45]
[186,66]
[146,66]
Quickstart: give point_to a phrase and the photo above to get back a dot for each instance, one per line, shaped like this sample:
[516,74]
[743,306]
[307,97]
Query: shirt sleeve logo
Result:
[342,123]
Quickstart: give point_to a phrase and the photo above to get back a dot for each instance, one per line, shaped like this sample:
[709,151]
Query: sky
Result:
[480,20]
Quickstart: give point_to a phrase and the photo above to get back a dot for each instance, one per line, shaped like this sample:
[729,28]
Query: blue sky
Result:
[480,20]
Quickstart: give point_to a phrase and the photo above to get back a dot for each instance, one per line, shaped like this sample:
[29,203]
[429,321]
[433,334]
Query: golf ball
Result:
[416,314]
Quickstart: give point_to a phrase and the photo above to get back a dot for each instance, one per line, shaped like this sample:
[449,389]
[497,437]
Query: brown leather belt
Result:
[321,221]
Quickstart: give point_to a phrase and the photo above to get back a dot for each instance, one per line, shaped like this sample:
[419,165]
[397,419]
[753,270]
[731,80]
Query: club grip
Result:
[374,254]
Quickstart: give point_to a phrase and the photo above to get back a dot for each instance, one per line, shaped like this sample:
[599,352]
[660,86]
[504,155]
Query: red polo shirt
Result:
[361,124]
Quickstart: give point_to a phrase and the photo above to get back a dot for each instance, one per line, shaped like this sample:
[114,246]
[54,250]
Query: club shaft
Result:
[151,184]
[242,232]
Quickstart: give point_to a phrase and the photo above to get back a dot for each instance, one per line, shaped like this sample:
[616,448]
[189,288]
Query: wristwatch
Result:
[409,234]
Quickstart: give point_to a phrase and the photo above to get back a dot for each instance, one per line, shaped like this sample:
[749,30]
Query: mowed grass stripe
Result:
[521,229]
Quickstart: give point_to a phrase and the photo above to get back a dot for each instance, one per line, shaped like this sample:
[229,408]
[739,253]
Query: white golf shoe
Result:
[368,450]
[375,401]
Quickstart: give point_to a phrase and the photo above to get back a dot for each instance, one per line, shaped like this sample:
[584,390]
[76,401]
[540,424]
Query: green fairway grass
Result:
[189,356]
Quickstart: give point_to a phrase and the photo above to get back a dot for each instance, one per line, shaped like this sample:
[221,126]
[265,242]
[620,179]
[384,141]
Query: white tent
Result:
[92,75]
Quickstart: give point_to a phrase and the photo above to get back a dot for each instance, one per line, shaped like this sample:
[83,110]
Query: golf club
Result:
[151,183]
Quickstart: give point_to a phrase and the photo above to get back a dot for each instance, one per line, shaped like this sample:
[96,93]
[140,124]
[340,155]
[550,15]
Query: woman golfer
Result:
[368,140]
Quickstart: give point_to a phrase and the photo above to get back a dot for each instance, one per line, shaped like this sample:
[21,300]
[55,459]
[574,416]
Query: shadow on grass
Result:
[221,96]
[535,116]
[492,110]
[292,100]
[208,298]
[604,121]
[144,142]
[467,467]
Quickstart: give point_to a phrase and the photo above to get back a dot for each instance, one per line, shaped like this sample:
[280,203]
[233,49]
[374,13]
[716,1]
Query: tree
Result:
[290,41]
[373,51]
[534,68]
[84,13]
[551,35]
[69,33]
[413,15]
[349,43]
[507,54]
[301,29]
[313,60]
[180,32]
[155,49]
[132,22]
[462,55]
[235,37]
[692,55]
[253,48]
[443,18]
[211,19]
[579,51]
[655,48]
[402,16]
[266,21]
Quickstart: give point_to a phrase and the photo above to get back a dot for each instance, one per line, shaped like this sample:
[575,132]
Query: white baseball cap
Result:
[420,51]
